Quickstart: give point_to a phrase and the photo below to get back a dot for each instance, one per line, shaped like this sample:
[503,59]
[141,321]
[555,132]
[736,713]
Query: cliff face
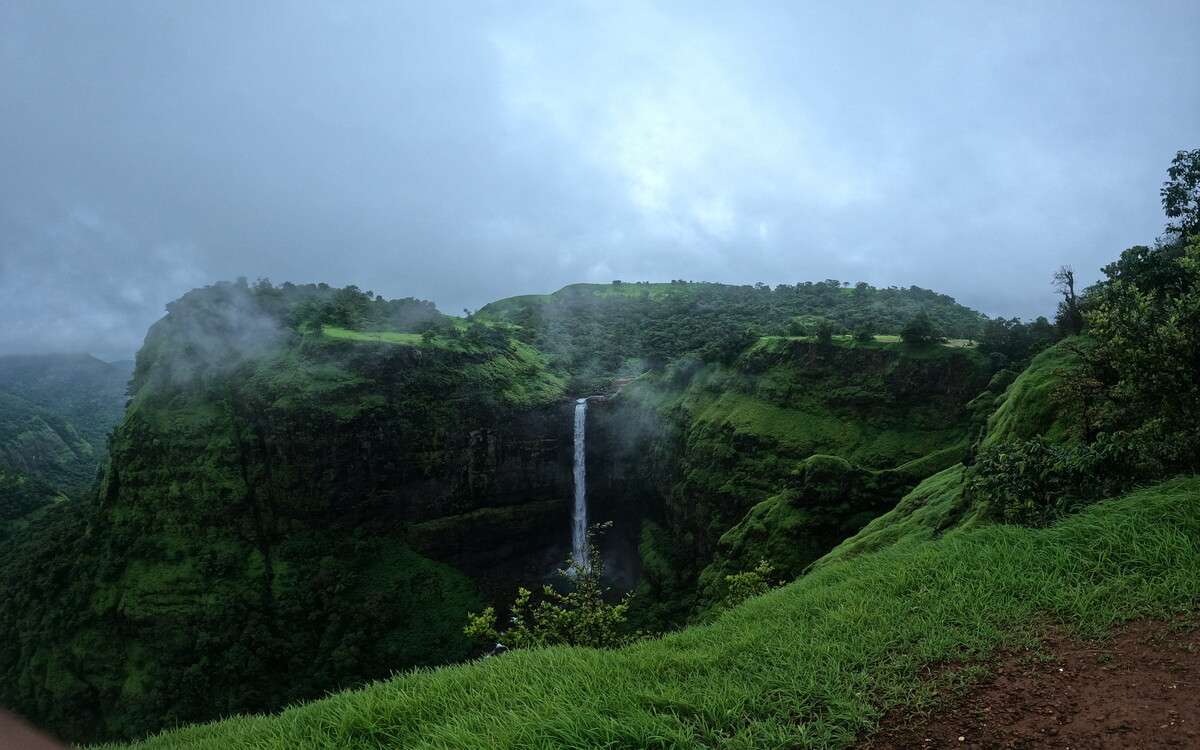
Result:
[279,520]
[707,469]
[391,440]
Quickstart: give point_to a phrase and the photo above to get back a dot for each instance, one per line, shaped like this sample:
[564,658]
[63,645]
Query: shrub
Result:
[749,583]
[1034,482]
[579,617]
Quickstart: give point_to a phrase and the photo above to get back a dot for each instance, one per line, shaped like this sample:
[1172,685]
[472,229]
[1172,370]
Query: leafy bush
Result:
[1034,482]
[579,617]
[741,586]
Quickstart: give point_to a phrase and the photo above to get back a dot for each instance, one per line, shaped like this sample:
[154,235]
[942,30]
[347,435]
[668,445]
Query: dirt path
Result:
[1139,690]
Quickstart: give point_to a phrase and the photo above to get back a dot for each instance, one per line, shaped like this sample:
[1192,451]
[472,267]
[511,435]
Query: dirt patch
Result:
[1141,689]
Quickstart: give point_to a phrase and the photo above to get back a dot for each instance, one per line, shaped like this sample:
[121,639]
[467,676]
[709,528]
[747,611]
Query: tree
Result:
[824,333]
[864,333]
[1181,193]
[919,330]
[580,617]
[749,583]
[1069,319]
[1148,344]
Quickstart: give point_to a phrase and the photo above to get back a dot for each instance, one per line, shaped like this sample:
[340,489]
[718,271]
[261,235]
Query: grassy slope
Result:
[810,665]
[789,403]
[750,432]
[1029,408]
[1026,409]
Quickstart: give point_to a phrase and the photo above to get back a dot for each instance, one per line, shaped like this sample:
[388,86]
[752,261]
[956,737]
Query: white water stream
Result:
[579,541]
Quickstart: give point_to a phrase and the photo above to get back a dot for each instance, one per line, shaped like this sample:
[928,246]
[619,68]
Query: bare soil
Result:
[1141,689]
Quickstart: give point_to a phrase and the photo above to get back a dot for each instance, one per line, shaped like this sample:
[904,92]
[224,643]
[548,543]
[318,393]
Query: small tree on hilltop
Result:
[1069,318]
[919,330]
[824,333]
[580,617]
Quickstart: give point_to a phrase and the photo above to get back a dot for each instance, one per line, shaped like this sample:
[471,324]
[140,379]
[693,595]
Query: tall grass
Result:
[811,665]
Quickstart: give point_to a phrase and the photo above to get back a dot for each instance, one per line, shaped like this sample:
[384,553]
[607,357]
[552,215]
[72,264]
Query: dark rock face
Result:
[631,467]
[492,500]
[500,509]
[283,527]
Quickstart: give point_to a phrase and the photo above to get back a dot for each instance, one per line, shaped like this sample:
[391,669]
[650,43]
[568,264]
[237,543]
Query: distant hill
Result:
[598,329]
[56,411]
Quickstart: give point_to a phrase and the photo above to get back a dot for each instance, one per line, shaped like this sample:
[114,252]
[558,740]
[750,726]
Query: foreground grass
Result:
[812,665]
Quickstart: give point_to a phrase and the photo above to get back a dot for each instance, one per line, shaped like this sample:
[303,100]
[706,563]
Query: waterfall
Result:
[579,540]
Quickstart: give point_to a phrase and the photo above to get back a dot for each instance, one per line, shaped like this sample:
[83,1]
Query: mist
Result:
[462,152]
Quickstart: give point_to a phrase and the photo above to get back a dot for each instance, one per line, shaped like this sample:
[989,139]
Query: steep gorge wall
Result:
[280,527]
[704,469]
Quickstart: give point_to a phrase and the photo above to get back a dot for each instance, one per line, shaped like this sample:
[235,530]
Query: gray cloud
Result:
[464,152]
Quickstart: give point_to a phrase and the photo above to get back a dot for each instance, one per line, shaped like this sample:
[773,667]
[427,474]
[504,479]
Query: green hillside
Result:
[596,330]
[814,664]
[259,533]
[312,487]
[1026,409]
[781,454]
[56,412]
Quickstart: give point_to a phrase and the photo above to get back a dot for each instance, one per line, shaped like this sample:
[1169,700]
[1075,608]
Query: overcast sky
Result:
[466,152]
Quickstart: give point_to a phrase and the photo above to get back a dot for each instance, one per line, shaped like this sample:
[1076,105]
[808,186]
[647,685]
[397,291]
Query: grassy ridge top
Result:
[596,331]
[811,665]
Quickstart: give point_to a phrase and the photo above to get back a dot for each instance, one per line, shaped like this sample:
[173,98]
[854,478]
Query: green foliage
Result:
[1181,193]
[122,637]
[250,546]
[744,483]
[934,507]
[1016,342]
[1034,482]
[20,495]
[825,500]
[749,583]
[1131,396]
[56,412]
[1030,482]
[815,664]
[1147,357]
[920,329]
[824,334]
[311,308]
[1032,405]
[590,329]
[581,616]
